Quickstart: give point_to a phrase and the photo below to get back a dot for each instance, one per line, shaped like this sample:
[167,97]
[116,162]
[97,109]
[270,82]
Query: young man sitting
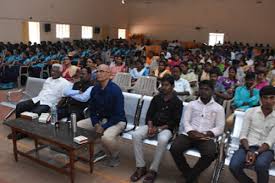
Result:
[162,119]
[202,121]
[257,139]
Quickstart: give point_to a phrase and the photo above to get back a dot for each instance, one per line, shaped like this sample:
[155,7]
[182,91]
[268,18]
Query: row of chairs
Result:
[136,106]
[145,85]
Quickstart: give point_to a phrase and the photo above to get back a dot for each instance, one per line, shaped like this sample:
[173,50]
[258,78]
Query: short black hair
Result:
[234,68]
[208,83]
[214,71]
[185,64]
[168,78]
[267,90]
[250,76]
[88,69]
[177,66]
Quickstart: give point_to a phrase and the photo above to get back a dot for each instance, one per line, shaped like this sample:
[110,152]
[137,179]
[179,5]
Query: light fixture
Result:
[123,1]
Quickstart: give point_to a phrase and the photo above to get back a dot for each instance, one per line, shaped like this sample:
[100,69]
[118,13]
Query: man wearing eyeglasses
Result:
[256,140]
[107,115]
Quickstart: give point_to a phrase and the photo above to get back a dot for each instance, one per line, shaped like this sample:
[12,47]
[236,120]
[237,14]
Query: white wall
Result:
[108,13]
[240,20]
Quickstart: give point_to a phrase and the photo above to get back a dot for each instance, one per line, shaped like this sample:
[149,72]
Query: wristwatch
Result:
[159,130]
[256,152]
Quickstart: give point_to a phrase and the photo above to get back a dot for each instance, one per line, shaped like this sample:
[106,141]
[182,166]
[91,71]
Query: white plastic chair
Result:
[145,85]
[123,80]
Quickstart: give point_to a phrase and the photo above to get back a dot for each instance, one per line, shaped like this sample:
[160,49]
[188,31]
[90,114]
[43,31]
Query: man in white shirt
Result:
[182,86]
[50,94]
[256,140]
[202,121]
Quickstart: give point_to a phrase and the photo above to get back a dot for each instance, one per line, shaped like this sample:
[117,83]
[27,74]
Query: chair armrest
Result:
[12,92]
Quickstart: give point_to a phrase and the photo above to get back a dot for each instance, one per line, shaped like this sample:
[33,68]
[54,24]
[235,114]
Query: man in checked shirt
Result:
[202,121]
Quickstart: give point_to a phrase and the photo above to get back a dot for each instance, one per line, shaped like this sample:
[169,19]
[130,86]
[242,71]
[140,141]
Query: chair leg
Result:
[9,114]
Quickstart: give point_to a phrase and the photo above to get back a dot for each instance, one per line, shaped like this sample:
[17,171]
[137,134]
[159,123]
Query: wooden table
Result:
[61,138]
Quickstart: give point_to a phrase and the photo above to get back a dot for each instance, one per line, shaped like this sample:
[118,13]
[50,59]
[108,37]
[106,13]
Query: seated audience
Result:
[70,71]
[205,73]
[118,66]
[271,73]
[246,96]
[202,121]
[161,70]
[50,94]
[220,93]
[92,65]
[182,86]
[231,81]
[261,80]
[139,70]
[240,73]
[191,77]
[162,119]
[256,140]
[174,61]
[107,115]
[76,97]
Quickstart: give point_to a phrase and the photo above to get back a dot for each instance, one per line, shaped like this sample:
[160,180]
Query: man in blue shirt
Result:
[107,115]
[76,96]
[247,96]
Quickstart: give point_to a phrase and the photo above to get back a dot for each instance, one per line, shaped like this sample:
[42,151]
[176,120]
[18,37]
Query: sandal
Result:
[150,177]
[140,172]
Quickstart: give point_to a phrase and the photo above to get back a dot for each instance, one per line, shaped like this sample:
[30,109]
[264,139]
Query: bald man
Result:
[107,115]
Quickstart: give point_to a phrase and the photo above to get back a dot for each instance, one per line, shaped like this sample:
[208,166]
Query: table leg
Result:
[14,145]
[36,144]
[72,159]
[91,157]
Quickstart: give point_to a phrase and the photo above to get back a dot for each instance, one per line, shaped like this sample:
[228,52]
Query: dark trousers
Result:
[65,112]
[207,149]
[29,106]
[262,165]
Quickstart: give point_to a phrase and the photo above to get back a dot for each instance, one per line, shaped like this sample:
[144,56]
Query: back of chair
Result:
[239,117]
[131,103]
[146,85]
[34,86]
[123,80]
[145,106]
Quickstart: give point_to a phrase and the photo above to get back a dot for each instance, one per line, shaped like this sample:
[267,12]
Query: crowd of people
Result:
[82,73]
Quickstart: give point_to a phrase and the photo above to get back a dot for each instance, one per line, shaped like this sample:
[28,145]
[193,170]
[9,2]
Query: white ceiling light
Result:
[123,1]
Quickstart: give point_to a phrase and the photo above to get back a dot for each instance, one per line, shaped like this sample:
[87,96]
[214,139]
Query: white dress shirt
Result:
[52,91]
[182,85]
[257,128]
[203,117]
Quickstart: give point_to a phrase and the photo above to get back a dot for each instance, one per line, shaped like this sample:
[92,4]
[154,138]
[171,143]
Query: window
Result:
[215,38]
[122,33]
[34,32]
[62,31]
[87,32]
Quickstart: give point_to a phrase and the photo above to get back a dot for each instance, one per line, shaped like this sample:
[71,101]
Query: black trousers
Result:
[65,112]
[207,149]
[29,106]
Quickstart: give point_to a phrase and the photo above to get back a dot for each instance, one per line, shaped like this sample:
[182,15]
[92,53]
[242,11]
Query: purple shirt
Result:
[227,83]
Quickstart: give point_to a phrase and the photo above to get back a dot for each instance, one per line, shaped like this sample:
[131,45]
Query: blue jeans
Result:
[262,165]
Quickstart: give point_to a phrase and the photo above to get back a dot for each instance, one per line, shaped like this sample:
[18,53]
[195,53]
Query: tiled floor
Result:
[26,171]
